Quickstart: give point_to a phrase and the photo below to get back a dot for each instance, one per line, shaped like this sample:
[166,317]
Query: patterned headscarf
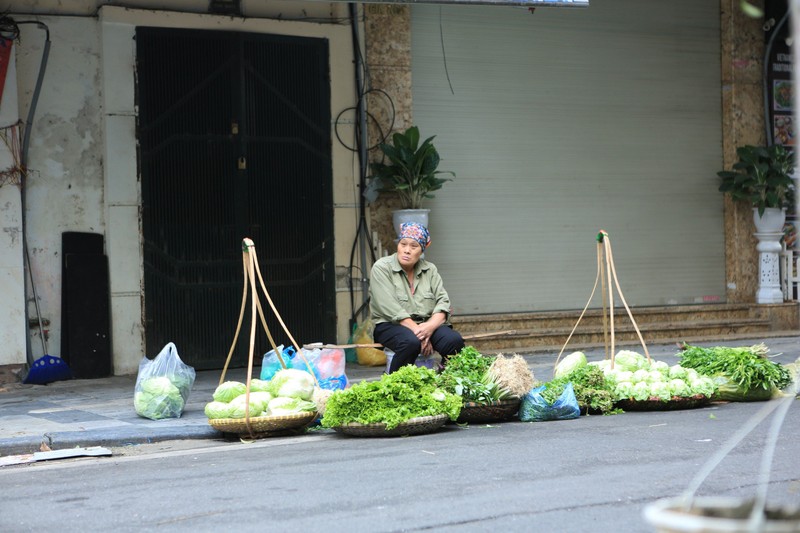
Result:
[418,232]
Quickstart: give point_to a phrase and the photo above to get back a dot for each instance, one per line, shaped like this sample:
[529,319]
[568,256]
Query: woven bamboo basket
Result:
[654,404]
[499,411]
[413,426]
[264,424]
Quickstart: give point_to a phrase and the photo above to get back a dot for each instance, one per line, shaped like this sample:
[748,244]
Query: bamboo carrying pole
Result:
[605,272]
[251,270]
[379,345]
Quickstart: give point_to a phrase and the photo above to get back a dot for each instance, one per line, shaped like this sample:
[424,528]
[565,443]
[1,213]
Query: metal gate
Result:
[234,142]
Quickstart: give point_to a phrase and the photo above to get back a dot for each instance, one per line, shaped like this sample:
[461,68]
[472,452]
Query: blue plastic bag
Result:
[270,364]
[534,408]
[328,366]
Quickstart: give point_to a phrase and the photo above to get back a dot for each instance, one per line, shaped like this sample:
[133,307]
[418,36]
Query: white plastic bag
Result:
[163,385]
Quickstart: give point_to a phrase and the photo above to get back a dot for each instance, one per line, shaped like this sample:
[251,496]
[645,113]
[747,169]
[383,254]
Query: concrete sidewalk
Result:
[99,412]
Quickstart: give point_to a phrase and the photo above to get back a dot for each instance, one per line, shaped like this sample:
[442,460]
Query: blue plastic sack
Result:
[270,364]
[534,408]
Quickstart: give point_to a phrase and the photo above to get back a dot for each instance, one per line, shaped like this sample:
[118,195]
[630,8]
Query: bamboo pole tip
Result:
[247,243]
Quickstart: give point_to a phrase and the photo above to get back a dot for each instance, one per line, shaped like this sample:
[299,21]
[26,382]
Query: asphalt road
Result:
[593,474]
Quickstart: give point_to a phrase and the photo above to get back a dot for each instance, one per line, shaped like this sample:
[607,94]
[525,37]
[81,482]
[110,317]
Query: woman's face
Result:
[408,252]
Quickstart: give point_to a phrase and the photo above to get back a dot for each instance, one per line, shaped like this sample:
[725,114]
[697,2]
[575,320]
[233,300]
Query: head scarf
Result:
[415,231]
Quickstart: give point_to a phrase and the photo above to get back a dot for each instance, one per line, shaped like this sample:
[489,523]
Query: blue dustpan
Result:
[47,369]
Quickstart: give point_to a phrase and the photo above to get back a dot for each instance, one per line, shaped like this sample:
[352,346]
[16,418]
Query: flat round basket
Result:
[413,426]
[264,424]
[476,413]
[654,404]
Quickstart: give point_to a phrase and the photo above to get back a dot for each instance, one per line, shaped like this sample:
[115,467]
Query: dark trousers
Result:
[406,346]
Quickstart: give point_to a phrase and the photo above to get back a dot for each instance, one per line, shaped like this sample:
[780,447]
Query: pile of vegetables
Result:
[289,392]
[162,396]
[636,378]
[633,377]
[466,374]
[408,393]
[593,392]
[743,373]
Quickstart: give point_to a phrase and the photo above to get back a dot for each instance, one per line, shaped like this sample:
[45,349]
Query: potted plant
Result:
[411,172]
[762,177]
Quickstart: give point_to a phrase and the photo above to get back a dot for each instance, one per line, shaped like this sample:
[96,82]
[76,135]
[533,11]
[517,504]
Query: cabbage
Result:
[654,376]
[218,410]
[661,366]
[569,364]
[239,404]
[623,390]
[677,372]
[660,390]
[158,398]
[282,406]
[159,386]
[624,375]
[292,383]
[260,398]
[628,360]
[229,390]
[611,375]
[678,387]
[641,391]
[640,375]
[703,385]
[158,406]
[691,375]
[259,385]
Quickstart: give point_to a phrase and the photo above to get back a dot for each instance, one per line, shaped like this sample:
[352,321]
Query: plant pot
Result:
[771,221]
[717,515]
[400,216]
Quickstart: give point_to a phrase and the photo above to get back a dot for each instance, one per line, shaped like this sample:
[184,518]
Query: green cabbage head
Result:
[217,410]
[628,360]
[283,405]
[569,364]
[623,390]
[229,390]
[239,404]
[292,383]
[641,391]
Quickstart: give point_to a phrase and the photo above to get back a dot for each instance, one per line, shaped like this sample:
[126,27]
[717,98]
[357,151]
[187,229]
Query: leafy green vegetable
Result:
[466,374]
[628,360]
[292,383]
[238,407]
[569,364]
[748,367]
[282,406]
[410,392]
[592,390]
[217,410]
[229,390]
[158,398]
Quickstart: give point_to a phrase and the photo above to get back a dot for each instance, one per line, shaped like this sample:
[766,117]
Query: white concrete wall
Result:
[13,323]
[84,174]
[64,190]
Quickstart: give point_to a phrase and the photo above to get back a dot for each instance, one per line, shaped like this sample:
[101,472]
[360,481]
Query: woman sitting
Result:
[408,303]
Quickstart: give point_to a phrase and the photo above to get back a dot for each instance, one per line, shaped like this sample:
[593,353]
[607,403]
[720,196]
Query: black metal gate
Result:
[234,142]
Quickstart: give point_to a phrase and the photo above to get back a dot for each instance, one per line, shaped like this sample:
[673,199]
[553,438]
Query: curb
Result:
[116,438]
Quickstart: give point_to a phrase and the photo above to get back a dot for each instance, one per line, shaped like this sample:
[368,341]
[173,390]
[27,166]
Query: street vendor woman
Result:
[408,303]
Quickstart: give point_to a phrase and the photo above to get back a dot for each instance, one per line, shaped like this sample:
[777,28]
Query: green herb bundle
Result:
[466,374]
[747,366]
[408,393]
[592,390]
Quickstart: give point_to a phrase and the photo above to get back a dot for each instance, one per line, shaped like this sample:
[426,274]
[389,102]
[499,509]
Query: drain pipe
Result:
[27,273]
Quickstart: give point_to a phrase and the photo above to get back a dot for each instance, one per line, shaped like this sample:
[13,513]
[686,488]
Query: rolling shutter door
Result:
[560,124]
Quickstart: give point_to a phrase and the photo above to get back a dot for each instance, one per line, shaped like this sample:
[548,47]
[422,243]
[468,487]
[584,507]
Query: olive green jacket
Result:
[390,293]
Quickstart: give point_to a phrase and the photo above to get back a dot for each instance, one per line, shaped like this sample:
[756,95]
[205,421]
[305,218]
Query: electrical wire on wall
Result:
[362,240]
